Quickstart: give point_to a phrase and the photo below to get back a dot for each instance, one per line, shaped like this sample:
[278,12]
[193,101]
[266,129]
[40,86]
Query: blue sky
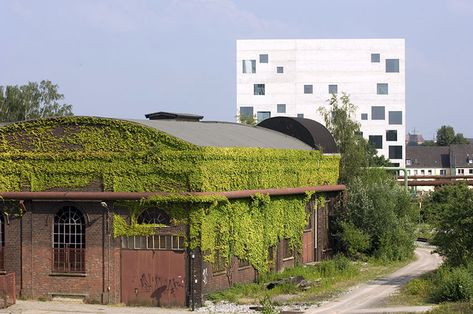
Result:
[127,58]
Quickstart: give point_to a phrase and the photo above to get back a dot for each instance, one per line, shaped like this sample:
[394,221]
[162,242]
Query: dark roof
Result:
[161,115]
[225,134]
[428,156]
[460,155]
[309,131]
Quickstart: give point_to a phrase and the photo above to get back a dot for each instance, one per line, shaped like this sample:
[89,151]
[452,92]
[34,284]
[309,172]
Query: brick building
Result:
[106,209]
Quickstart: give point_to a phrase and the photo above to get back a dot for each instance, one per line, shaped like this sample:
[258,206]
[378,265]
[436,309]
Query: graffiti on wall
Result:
[150,282]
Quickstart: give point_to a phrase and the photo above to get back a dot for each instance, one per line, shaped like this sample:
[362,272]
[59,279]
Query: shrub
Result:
[450,212]
[355,240]
[453,284]
[379,219]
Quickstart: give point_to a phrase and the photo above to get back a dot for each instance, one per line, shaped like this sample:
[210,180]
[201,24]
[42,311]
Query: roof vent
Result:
[161,115]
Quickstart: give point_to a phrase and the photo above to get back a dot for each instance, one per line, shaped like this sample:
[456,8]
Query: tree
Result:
[32,101]
[378,218]
[356,153]
[450,211]
[446,136]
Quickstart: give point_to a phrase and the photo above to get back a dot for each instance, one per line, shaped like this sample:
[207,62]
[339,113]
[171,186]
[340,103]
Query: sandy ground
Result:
[365,297]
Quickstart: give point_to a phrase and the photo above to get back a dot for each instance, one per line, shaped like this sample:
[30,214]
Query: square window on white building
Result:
[392,65]
[422,172]
[246,111]
[333,89]
[378,113]
[429,172]
[249,66]
[279,69]
[262,115]
[391,135]
[376,141]
[460,171]
[263,58]
[395,152]
[308,89]
[375,57]
[300,115]
[443,172]
[258,89]
[281,108]
[382,88]
[470,171]
[395,117]
[364,116]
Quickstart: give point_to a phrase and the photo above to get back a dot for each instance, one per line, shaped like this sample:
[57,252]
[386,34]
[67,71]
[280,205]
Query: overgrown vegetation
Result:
[74,153]
[449,210]
[378,219]
[321,281]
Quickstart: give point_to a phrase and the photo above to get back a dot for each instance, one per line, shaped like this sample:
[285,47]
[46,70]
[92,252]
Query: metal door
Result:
[153,277]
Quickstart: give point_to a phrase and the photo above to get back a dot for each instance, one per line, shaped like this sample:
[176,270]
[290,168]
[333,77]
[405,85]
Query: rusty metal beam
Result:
[109,196]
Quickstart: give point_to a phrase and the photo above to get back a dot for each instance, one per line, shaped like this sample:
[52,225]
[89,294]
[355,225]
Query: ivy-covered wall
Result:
[83,153]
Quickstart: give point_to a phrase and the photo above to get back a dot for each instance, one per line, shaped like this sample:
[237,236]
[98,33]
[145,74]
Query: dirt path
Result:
[364,298]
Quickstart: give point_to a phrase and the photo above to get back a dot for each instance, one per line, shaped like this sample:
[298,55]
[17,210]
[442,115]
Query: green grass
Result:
[456,307]
[327,279]
[415,292]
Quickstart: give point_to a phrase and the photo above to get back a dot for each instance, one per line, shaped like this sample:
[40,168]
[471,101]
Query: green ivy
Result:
[80,153]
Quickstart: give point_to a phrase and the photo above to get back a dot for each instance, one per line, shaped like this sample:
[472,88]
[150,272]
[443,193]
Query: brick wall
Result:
[33,234]
[12,251]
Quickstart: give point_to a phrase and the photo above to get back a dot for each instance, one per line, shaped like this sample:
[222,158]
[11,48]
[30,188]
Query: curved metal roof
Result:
[309,131]
[225,134]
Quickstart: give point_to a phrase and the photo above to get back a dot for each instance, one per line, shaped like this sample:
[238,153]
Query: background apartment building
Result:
[296,77]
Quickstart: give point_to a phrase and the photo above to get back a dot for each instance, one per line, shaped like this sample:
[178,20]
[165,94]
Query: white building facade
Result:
[296,77]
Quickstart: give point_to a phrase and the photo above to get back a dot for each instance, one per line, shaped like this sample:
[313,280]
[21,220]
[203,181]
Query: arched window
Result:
[154,216]
[69,241]
[2,242]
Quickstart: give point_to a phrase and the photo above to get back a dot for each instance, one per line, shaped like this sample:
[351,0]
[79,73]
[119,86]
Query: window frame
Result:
[253,66]
[375,116]
[392,66]
[308,89]
[375,58]
[259,89]
[331,87]
[263,58]
[280,106]
[392,151]
[393,117]
[382,89]
[389,137]
[373,140]
[69,241]
[280,70]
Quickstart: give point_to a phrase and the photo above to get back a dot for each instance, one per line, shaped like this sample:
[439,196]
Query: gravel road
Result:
[365,297]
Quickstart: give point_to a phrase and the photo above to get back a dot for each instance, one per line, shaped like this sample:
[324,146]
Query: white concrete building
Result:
[296,77]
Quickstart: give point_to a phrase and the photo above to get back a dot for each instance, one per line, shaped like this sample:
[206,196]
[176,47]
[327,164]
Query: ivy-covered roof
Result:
[225,134]
[100,154]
